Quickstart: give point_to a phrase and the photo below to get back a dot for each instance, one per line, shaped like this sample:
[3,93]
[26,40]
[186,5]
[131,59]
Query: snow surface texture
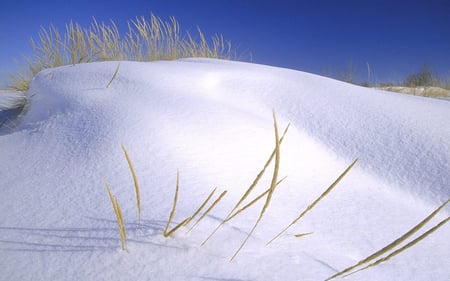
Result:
[212,121]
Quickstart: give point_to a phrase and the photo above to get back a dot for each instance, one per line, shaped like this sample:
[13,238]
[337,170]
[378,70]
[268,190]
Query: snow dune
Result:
[212,121]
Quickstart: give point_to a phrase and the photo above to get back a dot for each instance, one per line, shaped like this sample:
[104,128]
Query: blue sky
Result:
[324,37]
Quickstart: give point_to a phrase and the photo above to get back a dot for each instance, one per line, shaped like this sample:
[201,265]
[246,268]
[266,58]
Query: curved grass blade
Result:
[209,209]
[172,231]
[393,244]
[114,75]
[249,190]
[174,206]
[409,245]
[119,217]
[252,202]
[136,184]
[201,206]
[273,185]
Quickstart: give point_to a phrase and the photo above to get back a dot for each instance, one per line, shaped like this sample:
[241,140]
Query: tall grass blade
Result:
[114,75]
[249,190]
[123,233]
[252,202]
[173,230]
[174,206]
[273,185]
[309,208]
[201,206]
[407,246]
[119,217]
[394,243]
[136,184]
[209,209]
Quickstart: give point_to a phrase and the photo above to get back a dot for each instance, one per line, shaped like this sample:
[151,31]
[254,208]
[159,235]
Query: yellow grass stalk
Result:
[252,202]
[174,206]
[209,209]
[273,185]
[249,190]
[114,75]
[173,230]
[136,184]
[315,201]
[394,243]
[119,217]
[409,245]
[168,232]
[303,234]
[201,206]
[261,173]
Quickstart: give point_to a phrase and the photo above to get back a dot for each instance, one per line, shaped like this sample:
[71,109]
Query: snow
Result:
[211,120]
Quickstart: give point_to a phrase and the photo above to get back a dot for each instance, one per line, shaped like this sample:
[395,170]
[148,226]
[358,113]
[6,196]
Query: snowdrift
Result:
[211,120]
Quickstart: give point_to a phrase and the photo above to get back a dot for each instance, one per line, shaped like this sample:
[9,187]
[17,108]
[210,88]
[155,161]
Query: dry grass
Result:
[429,91]
[273,185]
[136,184]
[396,242]
[119,217]
[173,230]
[409,245]
[303,234]
[114,75]
[268,194]
[247,193]
[168,232]
[147,39]
[199,209]
[248,205]
[209,209]
[310,207]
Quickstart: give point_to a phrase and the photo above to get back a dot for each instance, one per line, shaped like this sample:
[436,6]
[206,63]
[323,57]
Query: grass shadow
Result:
[77,239]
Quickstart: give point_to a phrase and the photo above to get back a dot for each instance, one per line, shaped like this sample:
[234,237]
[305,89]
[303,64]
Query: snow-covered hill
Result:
[212,121]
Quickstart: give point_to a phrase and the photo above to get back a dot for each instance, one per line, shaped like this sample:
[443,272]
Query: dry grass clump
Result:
[166,232]
[147,39]
[185,222]
[273,185]
[233,212]
[371,261]
[429,91]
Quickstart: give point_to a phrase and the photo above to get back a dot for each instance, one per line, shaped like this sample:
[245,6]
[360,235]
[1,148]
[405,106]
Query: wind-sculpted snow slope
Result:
[403,139]
[211,120]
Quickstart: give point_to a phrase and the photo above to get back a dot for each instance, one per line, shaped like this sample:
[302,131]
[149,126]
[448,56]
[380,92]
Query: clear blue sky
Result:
[323,37]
